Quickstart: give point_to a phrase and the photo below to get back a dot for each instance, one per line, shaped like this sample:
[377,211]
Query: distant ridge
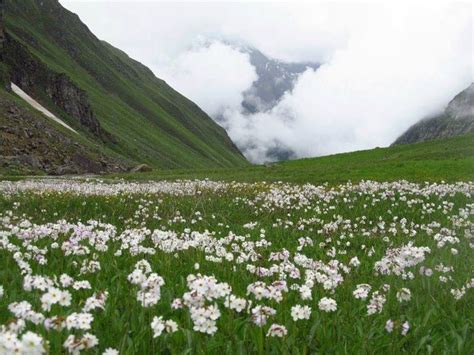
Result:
[457,119]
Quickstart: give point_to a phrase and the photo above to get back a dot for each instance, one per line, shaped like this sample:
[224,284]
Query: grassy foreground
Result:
[380,267]
[448,159]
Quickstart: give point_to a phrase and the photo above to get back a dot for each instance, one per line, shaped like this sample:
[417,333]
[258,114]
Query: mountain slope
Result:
[450,159]
[124,106]
[275,78]
[457,119]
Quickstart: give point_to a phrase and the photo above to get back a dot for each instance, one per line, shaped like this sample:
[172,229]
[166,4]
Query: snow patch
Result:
[36,105]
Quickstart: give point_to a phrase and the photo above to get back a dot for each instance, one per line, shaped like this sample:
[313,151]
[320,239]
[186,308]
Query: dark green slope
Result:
[449,159]
[457,119]
[152,123]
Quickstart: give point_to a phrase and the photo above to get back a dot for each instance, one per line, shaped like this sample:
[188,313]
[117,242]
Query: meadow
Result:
[234,267]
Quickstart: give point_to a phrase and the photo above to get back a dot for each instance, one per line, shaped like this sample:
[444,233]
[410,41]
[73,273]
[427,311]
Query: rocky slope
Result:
[457,119]
[116,104]
[57,89]
[275,78]
[30,144]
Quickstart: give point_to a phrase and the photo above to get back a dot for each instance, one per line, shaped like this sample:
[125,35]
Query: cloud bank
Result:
[385,66]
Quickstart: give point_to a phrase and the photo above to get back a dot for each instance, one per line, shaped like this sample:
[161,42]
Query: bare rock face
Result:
[74,102]
[457,119]
[2,26]
[47,86]
[29,144]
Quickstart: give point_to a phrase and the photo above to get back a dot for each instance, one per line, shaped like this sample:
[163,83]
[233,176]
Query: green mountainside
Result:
[457,119]
[111,99]
[450,159]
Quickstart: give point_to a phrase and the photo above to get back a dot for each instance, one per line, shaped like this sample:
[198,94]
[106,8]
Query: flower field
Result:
[234,268]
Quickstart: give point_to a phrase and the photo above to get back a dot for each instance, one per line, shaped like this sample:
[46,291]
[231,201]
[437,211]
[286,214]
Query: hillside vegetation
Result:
[141,117]
[449,159]
[457,119]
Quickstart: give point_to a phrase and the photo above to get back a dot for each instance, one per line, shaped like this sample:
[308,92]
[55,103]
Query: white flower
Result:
[327,304]
[75,344]
[389,326]
[2,291]
[354,262]
[260,314]
[235,303]
[362,291]
[458,293]
[305,293]
[157,325]
[32,344]
[66,280]
[79,321]
[300,312]
[177,303]
[405,328]
[277,330]
[403,294]
[376,303]
[110,351]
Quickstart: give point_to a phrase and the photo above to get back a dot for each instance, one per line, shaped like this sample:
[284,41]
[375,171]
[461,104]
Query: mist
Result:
[384,66]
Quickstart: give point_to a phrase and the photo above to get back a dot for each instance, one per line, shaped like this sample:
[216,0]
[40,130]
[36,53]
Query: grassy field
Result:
[449,160]
[278,268]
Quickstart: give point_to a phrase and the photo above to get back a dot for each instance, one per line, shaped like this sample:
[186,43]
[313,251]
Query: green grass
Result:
[154,124]
[438,323]
[448,159]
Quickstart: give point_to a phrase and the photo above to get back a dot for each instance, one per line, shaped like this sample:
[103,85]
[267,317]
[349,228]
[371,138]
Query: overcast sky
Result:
[385,66]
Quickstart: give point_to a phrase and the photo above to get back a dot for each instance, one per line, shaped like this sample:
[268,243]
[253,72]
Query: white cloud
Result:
[214,76]
[386,65]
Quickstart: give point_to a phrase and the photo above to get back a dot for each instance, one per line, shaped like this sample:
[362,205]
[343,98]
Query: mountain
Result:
[450,159]
[117,105]
[457,119]
[275,78]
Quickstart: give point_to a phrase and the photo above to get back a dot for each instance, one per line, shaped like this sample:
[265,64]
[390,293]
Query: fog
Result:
[385,66]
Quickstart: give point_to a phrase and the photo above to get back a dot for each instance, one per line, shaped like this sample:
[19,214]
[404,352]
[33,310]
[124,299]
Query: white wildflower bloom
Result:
[305,293]
[458,293]
[75,344]
[376,303]
[277,330]
[32,344]
[299,312]
[327,304]
[403,295]
[110,351]
[354,262]
[260,314]
[362,291]
[81,285]
[158,326]
[171,326]
[235,303]
[278,272]
[79,321]
[96,301]
[405,328]
[66,280]
[177,303]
